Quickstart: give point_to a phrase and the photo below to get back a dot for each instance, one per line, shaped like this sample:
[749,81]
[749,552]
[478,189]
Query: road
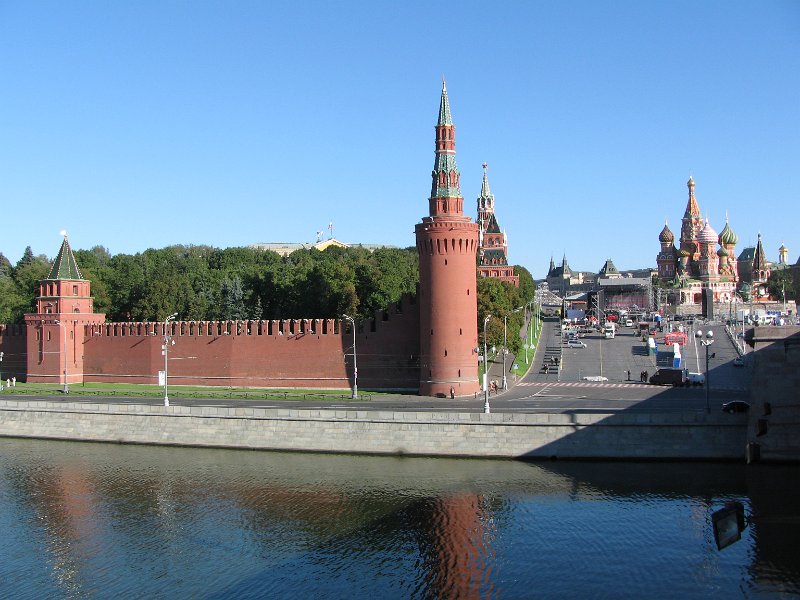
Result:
[564,391]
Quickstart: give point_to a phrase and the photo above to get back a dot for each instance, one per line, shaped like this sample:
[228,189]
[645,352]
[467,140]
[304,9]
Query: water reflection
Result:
[86,520]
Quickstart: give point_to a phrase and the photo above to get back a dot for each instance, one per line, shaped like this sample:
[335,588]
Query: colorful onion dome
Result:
[722,252]
[683,253]
[707,235]
[666,236]
[727,237]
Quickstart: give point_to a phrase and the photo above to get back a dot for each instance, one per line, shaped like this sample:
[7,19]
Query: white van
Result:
[695,379]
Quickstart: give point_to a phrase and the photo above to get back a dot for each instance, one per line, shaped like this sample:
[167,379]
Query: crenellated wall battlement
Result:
[15,330]
[286,353]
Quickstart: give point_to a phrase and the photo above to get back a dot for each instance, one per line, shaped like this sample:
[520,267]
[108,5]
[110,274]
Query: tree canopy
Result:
[206,283]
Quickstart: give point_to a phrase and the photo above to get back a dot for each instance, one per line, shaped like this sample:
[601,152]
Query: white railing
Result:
[737,342]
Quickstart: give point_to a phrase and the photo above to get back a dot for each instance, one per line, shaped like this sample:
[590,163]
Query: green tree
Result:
[232,296]
[27,258]
[5,266]
[13,304]
[527,286]
[500,300]
[783,280]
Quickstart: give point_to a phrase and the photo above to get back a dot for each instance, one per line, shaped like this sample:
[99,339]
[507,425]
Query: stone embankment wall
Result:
[679,436]
[774,433]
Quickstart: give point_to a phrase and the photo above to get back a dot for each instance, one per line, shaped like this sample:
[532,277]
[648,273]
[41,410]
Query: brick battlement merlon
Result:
[13,330]
[249,327]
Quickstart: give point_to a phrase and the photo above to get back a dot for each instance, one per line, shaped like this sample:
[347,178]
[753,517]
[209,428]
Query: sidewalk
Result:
[548,352]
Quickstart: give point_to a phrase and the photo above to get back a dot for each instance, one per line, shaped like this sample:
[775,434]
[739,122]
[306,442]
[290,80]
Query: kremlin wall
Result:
[425,344]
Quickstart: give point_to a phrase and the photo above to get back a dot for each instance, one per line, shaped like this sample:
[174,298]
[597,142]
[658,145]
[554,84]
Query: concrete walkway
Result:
[549,350]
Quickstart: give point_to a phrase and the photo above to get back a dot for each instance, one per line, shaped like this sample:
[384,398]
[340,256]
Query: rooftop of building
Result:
[286,248]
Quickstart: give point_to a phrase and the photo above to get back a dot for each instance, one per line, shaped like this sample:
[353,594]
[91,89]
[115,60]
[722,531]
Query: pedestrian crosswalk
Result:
[582,384]
[628,384]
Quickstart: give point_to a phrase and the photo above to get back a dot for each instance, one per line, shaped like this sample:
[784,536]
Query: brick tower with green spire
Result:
[55,331]
[492,242]
[447,242]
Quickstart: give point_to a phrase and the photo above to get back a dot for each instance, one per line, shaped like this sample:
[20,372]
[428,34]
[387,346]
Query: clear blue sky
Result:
[143,124]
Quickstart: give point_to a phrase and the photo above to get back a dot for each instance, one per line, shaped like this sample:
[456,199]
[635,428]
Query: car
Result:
[576,344]
[628,323]
[736,406]
[738,361]
[594,378]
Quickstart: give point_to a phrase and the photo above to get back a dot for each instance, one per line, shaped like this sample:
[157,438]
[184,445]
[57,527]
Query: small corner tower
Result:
[55,331]
[447,242]
[760,272]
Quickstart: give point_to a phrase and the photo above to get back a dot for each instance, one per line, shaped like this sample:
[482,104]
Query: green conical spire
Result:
[64,266]
[485,191]
[444,108]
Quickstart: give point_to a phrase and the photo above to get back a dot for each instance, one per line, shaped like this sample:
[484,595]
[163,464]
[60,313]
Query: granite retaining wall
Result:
[689,435]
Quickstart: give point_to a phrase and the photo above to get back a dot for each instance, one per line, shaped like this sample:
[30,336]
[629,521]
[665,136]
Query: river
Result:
[84,520]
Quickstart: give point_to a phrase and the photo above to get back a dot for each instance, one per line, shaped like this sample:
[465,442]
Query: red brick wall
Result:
[306,353]
[13,345]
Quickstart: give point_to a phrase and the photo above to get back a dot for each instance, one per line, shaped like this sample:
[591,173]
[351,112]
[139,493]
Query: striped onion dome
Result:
[707,235]
[727,237]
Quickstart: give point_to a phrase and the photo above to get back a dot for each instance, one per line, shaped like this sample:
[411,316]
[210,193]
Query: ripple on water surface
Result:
[86,520]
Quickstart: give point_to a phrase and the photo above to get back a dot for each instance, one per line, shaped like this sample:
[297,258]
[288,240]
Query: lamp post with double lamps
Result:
[355,358]
[505,350]
[709,339]
[486,408]
[167,340]
[66,385]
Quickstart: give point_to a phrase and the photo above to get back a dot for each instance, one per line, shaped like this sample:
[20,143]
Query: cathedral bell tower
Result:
[55,331]
[447,242]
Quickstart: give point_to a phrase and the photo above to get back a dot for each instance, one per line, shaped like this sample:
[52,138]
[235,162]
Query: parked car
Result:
[675,377]
[736,406]
[629,323]
[576,344]
[738,361]
[594,378]
[695,378]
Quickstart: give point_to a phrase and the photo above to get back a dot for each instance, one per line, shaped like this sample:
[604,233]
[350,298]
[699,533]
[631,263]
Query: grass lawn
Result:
[186,391]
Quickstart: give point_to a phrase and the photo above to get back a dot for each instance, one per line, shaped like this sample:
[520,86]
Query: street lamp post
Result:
[706,343]
[505,350]
[66,385]
[167,339]
[355,358]
[486,408]
[1,375]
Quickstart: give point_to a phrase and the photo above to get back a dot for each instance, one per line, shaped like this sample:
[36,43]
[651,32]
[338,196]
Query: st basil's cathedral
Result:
[697,263]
